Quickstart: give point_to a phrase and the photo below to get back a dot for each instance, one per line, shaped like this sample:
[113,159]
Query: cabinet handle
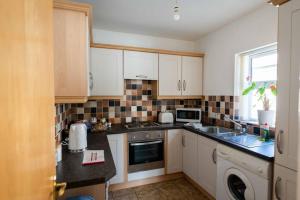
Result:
[141,76]
[183,140]
[278,142]
[213,156]
[184,85]
[278,180]
[91,81]
[179,85]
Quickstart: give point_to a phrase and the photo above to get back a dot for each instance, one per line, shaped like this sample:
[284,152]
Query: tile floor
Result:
[179,189]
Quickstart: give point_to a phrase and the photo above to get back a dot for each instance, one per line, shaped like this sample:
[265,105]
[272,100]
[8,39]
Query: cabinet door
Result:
[116,144]
[207,167]
[192,76]
[189,156]
[107,72]
[70,53]
[288,86]
[284,187]
[169,75]
[140,65]
[174,151]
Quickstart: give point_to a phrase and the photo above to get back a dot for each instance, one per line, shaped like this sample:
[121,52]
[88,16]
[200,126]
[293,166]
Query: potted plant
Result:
[266,115]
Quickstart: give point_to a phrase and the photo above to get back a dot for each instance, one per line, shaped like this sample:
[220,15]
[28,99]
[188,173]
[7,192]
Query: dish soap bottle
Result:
[266,133]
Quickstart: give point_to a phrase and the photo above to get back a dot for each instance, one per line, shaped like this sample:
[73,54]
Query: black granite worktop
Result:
[71,171]
[265,152]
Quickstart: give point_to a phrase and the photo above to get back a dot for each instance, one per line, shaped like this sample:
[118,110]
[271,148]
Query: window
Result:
[260,67]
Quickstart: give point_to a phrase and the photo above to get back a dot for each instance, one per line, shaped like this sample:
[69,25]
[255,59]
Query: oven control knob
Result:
[134,137]
[147,136]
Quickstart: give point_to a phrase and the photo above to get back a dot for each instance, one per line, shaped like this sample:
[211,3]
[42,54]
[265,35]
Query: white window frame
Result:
[243,68]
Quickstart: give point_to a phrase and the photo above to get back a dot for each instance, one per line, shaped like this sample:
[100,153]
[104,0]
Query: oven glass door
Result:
[145,152]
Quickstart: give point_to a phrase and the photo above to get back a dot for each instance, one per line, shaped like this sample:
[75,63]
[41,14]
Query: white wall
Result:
[111,37]
[257,29]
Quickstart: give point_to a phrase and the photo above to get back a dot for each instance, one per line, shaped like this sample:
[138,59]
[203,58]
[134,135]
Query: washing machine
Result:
[241,176]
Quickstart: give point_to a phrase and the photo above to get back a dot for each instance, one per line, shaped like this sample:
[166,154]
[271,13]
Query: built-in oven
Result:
[146,150]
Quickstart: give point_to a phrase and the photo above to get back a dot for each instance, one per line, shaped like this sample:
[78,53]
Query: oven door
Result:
[145,152]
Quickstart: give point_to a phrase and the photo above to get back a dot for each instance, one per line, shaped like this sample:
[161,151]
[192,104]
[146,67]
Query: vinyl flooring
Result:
[178,189]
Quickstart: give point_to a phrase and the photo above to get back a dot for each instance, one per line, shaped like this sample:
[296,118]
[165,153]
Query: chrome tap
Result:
[242,126]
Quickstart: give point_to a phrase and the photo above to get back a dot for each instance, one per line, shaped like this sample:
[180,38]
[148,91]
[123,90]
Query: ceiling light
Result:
[176,15]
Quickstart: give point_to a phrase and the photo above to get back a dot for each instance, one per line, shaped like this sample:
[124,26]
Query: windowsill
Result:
[254,123]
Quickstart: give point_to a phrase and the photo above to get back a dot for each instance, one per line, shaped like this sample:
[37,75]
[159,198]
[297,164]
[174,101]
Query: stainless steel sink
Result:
[214,129]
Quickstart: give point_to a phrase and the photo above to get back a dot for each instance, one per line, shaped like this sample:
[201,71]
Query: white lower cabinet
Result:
[174,151]
[189,154]
[284,183]
[116,144]
[207,164]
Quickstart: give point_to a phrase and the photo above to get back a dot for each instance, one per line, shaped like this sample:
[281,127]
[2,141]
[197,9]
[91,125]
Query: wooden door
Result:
[70,54]
[169,75]
[189,155]
[107,72]
[192,76]
[27,100]
[284,184]
[207,164]
[287,131]
[174,151]
[140,65]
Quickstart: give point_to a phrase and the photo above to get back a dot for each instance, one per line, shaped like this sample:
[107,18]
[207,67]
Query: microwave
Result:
[188,115]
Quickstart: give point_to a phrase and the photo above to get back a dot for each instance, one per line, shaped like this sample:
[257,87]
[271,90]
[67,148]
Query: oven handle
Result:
[146,143]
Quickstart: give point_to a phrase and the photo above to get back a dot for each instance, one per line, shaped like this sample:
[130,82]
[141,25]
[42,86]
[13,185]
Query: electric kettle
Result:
[77,137]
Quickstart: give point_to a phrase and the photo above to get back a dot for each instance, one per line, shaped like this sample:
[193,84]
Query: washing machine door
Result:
[238,186]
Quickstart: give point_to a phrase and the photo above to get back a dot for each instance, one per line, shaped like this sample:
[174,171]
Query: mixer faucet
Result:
[242,126]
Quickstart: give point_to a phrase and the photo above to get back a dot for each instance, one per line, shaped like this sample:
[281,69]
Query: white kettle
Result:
[77,137]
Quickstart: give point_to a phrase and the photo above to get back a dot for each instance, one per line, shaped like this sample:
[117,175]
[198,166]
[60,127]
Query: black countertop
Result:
[71,171]
[265,152]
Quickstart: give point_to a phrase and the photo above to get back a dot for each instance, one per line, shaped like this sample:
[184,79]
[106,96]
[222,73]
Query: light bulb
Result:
[176,16]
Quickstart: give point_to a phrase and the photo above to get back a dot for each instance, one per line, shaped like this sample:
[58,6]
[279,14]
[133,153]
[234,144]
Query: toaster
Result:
[77,137]
[165,117]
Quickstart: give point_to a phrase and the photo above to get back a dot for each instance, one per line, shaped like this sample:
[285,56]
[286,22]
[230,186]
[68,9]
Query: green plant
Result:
[261,89]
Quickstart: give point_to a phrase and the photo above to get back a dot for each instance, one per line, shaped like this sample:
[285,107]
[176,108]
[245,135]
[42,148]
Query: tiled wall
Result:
[138,105]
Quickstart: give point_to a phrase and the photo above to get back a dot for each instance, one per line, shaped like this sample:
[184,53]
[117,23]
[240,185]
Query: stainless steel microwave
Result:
[188,115]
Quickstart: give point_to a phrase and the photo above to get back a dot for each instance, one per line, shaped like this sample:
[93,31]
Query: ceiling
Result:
[155,17]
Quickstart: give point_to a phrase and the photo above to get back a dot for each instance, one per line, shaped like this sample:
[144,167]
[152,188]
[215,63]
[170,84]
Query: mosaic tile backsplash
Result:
[139,105]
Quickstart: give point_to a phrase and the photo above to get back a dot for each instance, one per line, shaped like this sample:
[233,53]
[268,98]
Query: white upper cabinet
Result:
[169,75]
[287,131]
[192,68]
[107,72]
[140,65]
[174,151]
[207,164]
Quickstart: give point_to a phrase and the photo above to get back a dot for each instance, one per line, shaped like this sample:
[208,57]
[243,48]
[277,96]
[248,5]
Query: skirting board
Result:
[146,174]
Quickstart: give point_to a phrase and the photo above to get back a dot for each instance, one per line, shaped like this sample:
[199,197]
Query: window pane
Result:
[264,67]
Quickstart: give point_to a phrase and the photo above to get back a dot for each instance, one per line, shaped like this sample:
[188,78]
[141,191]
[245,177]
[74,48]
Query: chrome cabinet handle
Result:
[91,81]
[278,142]
[141,76]
[278,180]
[184,85]
[213,155]
[179,85]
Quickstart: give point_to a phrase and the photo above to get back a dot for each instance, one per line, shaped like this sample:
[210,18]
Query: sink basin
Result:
[214,129]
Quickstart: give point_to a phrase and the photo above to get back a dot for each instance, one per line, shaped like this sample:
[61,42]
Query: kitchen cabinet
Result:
[179,76]
[284,184]
[287,137]
[207,164]
[169,75]
[107,72]
[174,151]
[140,65]
[71,52]
[191,76]
[116,144]
[189,154]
